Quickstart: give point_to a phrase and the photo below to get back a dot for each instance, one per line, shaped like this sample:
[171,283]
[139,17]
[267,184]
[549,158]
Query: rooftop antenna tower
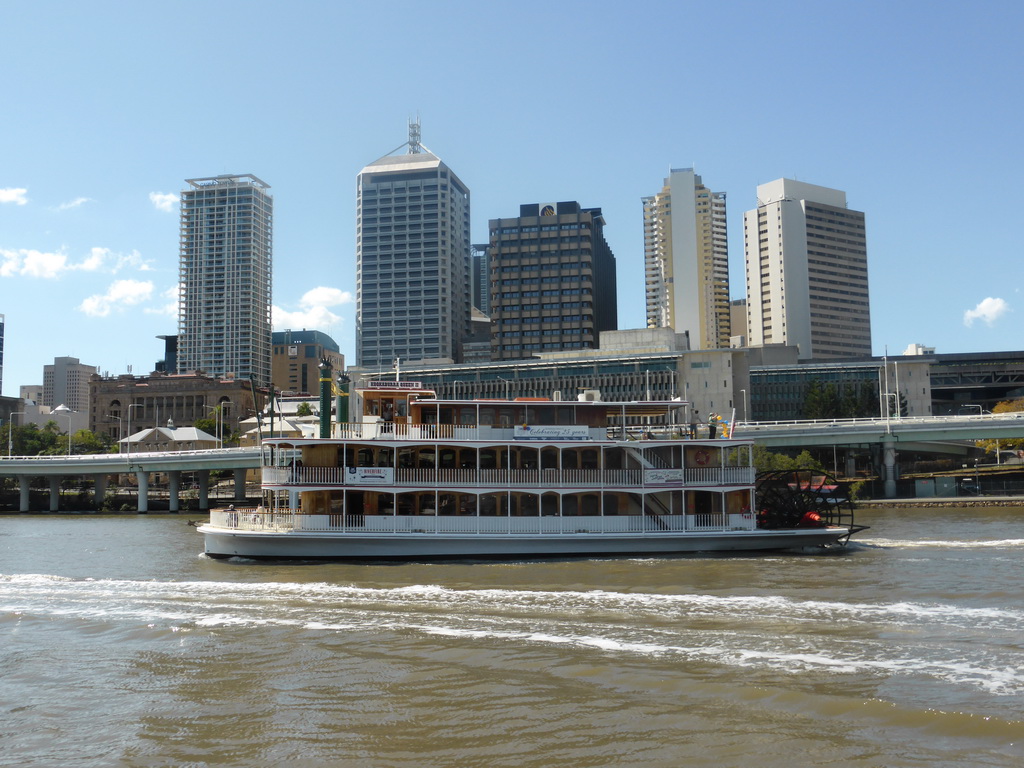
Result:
[414,136]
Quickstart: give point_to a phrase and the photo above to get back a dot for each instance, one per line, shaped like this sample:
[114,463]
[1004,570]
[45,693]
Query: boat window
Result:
[447,505]
[402,408]
[570,506]
[565,415]
[467,416]
[570,460]
[611,504]
[488,458]
[549,505]
[591,504]
[487,416]
[365,457]
[549,459]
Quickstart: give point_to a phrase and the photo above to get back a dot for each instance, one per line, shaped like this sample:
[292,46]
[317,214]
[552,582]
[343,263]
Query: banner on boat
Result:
[551,432]
[370,476]
[663,476]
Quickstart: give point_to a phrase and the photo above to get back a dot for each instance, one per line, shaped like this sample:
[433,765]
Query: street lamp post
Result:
[129,436]
[10,431]
[63,410]
[745,416]
[216,423]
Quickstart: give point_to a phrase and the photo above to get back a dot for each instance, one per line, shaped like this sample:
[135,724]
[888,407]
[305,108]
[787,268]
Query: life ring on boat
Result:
[702,458]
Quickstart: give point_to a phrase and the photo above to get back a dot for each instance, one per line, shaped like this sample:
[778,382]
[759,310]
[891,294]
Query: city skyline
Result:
[88,211]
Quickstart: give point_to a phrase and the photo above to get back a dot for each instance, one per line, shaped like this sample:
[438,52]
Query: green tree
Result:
[304,409]
[87,441]
[770,461]
[822,401]
[991,446]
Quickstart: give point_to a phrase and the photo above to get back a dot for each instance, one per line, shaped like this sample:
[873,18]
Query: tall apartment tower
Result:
[66,382]
[480,277]
[412,259]
[1,353]
[686,260]
[225,277]
[553,284]
[807,272]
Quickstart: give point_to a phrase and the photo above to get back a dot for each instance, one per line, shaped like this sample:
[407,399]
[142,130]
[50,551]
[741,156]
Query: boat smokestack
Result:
[326,375]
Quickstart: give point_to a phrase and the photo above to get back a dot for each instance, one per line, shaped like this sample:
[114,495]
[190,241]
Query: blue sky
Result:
[912,108]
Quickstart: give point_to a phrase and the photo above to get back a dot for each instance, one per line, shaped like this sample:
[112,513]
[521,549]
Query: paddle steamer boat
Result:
[415,477]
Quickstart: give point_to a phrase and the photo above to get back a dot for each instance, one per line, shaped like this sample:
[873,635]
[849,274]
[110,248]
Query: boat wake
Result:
[970,646]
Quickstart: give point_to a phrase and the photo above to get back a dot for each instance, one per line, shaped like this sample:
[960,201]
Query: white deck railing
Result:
[290,521]
[519,478]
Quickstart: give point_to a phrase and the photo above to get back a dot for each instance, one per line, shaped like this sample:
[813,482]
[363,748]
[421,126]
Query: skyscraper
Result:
[686,260]
[807,271]
[225,277]
[412,259]
[66,382]
[553,282]
[1,353]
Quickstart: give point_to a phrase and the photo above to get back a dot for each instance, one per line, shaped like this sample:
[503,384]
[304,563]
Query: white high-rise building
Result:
[807,272]
[412,259]
[686,260]
[225,277]
[66,382]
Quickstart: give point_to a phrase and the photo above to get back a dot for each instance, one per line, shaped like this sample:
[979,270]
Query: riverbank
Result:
[944,502]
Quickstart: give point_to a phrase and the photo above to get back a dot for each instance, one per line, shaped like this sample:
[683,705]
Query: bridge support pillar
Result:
[99,491]
[24,496]
[889,467]
[203,476]
[54,493]
[143,477]
[240,483]
[173,489]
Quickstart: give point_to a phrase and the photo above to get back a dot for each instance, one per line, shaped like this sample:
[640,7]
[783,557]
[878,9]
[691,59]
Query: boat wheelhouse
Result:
[417,477]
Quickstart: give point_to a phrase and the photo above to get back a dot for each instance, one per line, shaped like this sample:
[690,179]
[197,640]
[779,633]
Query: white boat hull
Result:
[221,542]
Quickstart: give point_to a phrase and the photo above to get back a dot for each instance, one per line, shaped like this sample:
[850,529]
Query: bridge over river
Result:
[941,434]
[101,466]
[935,433]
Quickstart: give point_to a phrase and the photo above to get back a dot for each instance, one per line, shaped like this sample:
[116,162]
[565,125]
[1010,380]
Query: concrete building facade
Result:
[686,260]
[225,277]
[553,281]
[412,259]
[66,382]
[297,356]
[807,272]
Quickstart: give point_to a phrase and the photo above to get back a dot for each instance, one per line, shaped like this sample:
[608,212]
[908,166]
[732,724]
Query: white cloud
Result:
[120,294]
[170,308]
[313,312]
[74,203]
[44,265]
[163,201]
[989,310]
[322,296]
[13,195]
[51,265]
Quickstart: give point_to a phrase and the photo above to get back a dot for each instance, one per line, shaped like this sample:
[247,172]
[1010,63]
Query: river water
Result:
[122,645]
